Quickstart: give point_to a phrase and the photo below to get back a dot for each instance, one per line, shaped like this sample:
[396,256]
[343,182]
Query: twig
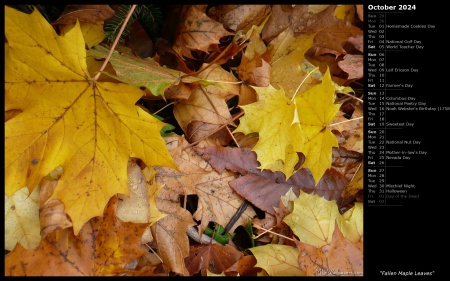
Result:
[358,99]
[114,44]
[192,232]
[350,120]
[267,230]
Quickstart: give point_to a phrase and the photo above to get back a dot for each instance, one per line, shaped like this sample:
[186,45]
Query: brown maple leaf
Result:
[197,32]
[214,257]
[264,188]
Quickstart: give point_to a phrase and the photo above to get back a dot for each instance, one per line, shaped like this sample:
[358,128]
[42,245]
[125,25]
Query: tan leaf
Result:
[197,31]
[253,68]
[134,208]
[52,215]
[170,232]
[85,13]
[352,131]
[296,17]
[201,106]
[332,33]
[199,130]
[239,17]
[217,201]
[353,65]
[22,219]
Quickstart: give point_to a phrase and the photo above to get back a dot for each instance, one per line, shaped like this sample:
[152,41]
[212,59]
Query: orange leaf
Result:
[340,257]
[102,246]
[214,257]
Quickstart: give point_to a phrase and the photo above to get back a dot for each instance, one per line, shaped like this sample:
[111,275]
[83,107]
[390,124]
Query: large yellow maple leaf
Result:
[280,137]
[65,118]
[286,127]
[316,109]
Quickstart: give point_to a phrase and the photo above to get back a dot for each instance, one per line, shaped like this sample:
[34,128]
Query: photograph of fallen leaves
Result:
[183,140]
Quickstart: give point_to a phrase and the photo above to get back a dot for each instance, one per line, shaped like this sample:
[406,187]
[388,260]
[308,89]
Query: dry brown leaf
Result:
[197,32]
[353,65]
[352,133]
[332,33]
[214,257]
[227,85]
[360,12]
[356,184]
[247,95]
[265,188]
[239,17]
[255,72]
[341,257]
[217,202]
[283,16]
[52,215]
[245,266]
[170,232]
[198,130]
[201,106]
[85,13]
[253,68]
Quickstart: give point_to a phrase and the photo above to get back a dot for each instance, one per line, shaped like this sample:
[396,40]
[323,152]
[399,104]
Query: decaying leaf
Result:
[265,188]
[170,232]
[90,131]
[217,202]
[197,31]
[85,13]
[213,257]
[239,17]
[339,258]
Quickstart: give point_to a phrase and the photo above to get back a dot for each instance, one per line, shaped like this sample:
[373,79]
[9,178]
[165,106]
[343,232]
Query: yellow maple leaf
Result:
[313,219]
[316,109]
[278,260]
[92,32]
[286,127]
[90,129]
[351,223]
[272,117]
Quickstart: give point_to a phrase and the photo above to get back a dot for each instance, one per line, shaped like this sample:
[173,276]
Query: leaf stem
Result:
[304,79]
[268,230]
[334,124]
[114,44]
